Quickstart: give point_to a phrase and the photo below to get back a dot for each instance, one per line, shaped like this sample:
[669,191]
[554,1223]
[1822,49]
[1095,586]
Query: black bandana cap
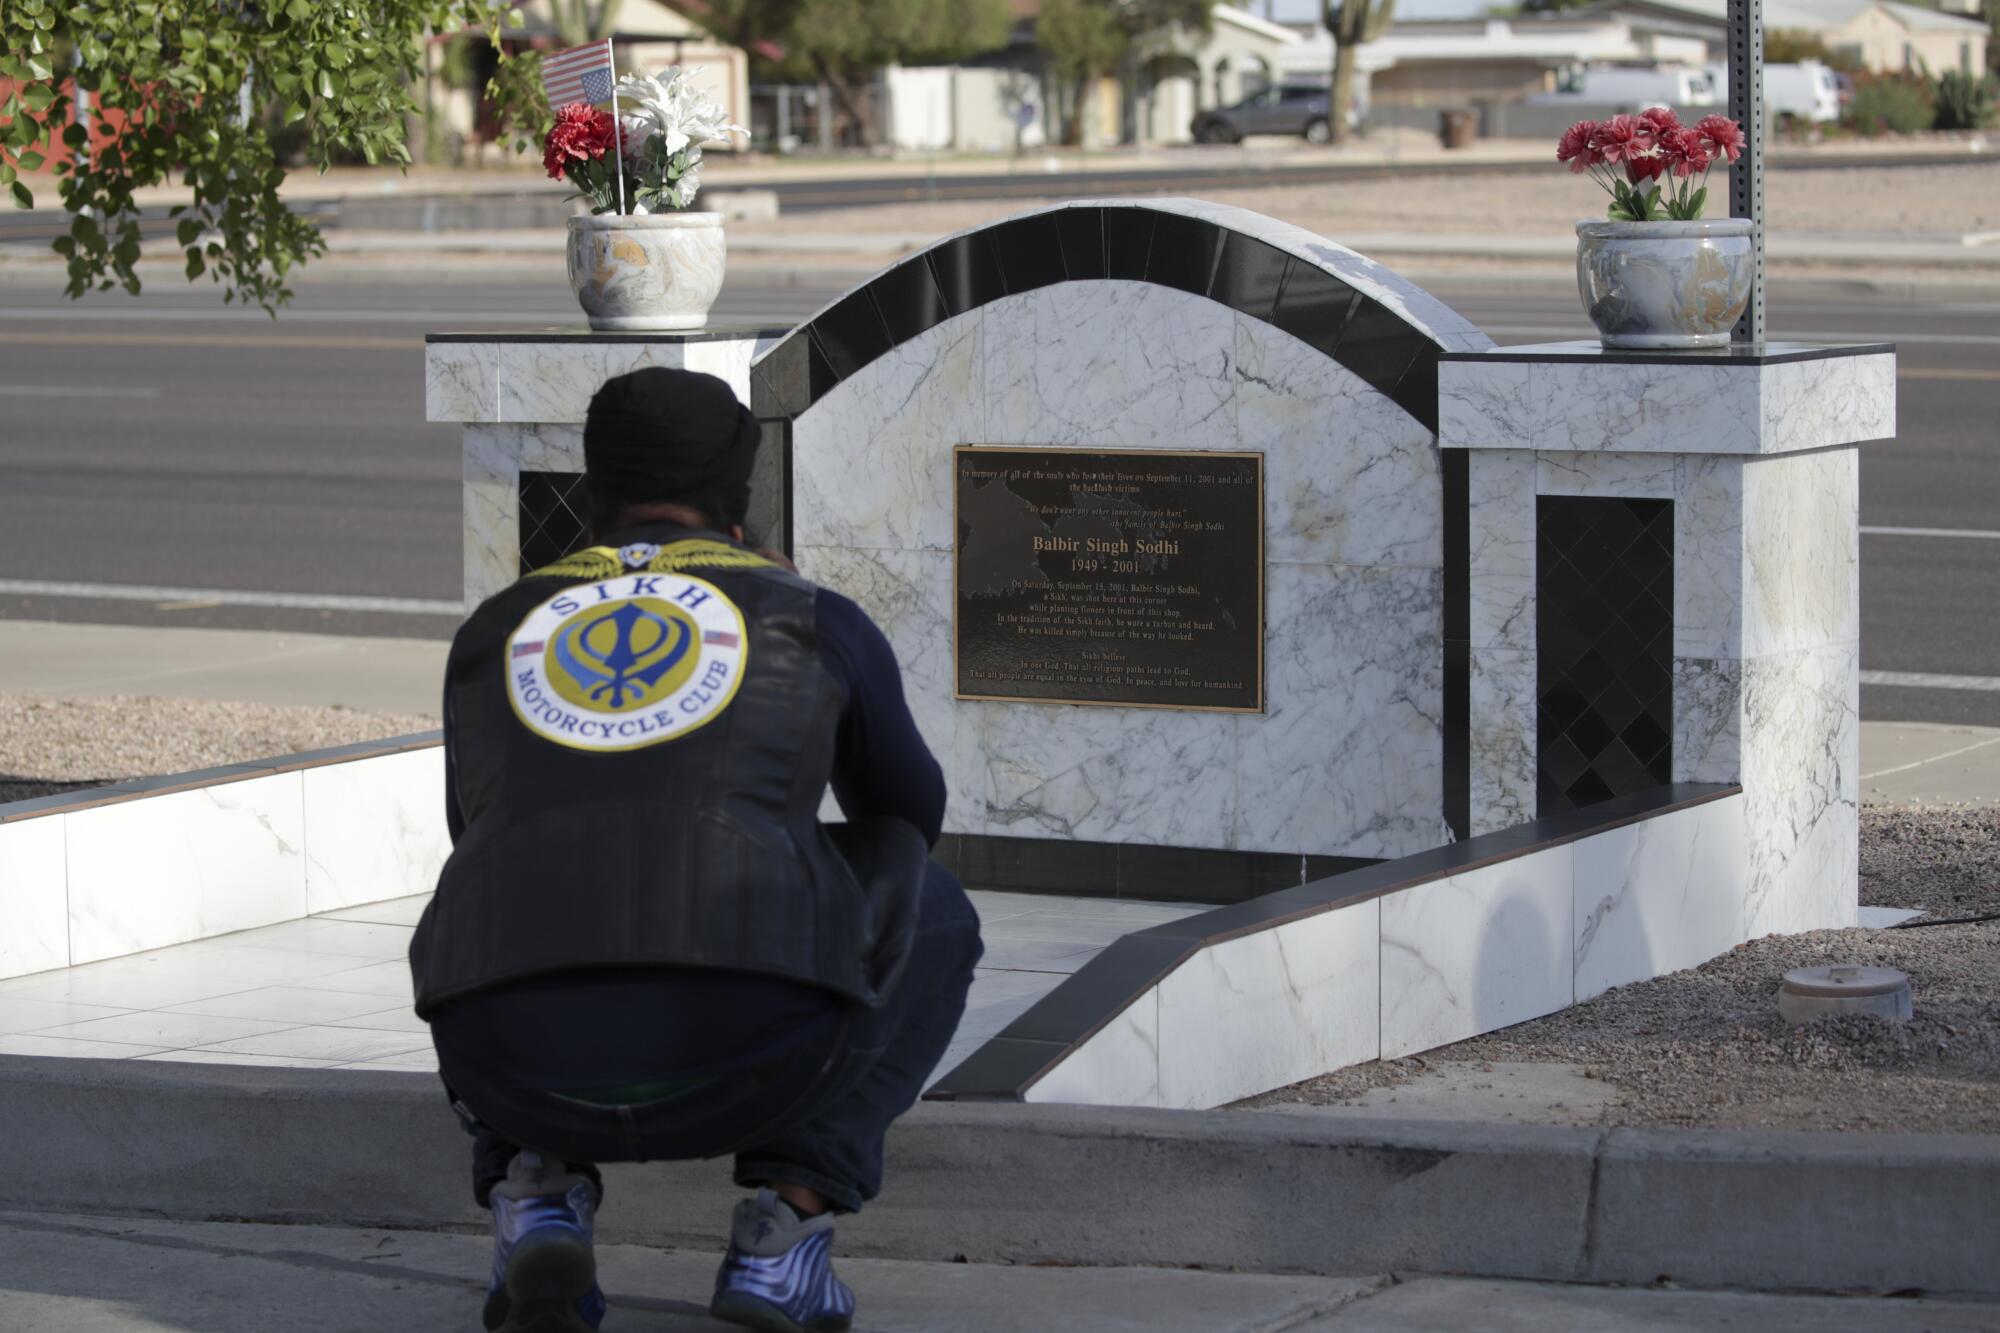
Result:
[670,436]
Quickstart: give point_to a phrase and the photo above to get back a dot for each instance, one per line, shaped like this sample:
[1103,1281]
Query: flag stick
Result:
[617,136]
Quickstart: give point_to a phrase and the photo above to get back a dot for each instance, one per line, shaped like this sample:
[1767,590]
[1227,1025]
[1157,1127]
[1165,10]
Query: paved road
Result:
[172,442]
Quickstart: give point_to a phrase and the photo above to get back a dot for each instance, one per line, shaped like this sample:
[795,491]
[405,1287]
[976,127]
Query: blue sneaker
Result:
[778,1276]
[544,1273]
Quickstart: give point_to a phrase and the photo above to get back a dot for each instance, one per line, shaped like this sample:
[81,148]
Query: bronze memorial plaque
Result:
[1131,577]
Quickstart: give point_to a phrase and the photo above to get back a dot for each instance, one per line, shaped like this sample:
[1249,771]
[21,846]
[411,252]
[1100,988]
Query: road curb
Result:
[1081,1185]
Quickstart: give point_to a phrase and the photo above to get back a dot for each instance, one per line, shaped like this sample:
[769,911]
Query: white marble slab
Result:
[1348,756]
[1801,552]
[1502,745]
[1801,765]
[1118,1066]
[1514,402]
[374,829]
[1708,719]
[34,896]
[1349,477]
[1659,896]
[553,380]
[166,869]
[490,521]
[1285,1004]
[872,459]
[1067,364]
[1500,536]
[1475,952]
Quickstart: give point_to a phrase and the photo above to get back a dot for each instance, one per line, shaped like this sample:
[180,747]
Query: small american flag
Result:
[719,639]
[529,649]
[580,74]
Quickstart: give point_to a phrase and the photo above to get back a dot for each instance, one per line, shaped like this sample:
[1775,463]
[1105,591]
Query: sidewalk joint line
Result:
[1934,759]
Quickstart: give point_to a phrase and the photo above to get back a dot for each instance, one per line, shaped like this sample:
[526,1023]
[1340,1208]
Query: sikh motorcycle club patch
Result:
[631,661]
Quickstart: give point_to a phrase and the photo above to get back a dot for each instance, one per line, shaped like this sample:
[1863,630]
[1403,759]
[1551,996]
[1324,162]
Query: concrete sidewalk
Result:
[1901,762]
[86,1274]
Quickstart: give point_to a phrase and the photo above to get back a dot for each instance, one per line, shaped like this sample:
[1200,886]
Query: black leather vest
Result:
[642,737]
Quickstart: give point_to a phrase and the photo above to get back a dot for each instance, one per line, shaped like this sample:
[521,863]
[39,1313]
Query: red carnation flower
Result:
[1722,136]
[581,133]
[1575,147]
[1622,138]
[1687,151]
[1662,119]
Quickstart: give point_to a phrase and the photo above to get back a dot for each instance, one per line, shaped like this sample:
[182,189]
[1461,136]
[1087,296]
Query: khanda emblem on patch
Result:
[633,660]
[621,655]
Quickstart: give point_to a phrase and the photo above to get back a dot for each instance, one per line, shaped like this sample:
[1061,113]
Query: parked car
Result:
[1806,91]
[1281,110]
[1623,85]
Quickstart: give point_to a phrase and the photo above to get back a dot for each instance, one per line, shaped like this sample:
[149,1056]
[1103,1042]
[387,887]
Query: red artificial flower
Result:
[1622,138]
[1722,136]
[1662,119]
[1687,151]
[582,133]
[1575,147]
[1644,167]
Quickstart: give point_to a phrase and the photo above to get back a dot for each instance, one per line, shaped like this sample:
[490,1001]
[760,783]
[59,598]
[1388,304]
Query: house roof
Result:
[1815,15]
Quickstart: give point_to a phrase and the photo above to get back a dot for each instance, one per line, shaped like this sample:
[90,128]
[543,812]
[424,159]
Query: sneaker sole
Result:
[544,1283]
[747,1311]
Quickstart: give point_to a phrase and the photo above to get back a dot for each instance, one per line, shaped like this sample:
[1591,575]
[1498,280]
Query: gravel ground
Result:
[50,745]
[1862,199]
[1706,1047]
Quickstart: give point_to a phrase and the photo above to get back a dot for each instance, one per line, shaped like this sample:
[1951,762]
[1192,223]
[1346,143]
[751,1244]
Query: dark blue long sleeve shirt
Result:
[594,1030]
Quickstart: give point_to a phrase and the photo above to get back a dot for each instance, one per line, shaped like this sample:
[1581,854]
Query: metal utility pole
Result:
[1746,177]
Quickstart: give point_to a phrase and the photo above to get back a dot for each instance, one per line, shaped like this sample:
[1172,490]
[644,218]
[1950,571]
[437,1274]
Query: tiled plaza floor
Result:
[333,991]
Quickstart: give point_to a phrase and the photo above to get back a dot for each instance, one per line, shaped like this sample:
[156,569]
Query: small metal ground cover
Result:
[1844,988]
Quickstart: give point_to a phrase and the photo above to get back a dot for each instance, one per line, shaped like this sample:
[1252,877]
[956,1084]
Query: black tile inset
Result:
[781,381]
[908,300]
[1128,242]
[1203,875]
[1315,307]
[1031,865]
[1082,232]
[967,272]
[554,517]
[997,1071]
[851,333]
[1249,275]
[1604,639]
[1184,253]
[1454,473]
[1417,392]
[1030,251]
[1379,346]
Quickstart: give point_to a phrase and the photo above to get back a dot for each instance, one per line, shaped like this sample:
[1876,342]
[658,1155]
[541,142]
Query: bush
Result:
[1965,102]
[1892,104]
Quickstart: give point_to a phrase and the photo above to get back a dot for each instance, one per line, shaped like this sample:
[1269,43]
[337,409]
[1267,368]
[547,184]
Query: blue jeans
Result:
[833,1143]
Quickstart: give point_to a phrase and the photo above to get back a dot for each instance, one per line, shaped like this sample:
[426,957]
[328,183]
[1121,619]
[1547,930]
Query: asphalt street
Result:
[174,443]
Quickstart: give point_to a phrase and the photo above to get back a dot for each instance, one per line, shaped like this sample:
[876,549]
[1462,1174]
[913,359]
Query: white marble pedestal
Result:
[1756,448]
[521,399]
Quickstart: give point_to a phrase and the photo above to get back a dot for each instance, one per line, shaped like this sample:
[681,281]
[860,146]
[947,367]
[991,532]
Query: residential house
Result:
[1883,35]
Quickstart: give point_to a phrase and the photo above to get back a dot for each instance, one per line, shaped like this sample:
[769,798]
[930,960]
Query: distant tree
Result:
[1081,42]
[1352,23]
[580,21]
[846,43]
[168,83]
[1084,40]
[1789,46]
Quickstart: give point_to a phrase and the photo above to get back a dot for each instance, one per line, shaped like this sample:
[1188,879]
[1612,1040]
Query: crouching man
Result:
[645,944]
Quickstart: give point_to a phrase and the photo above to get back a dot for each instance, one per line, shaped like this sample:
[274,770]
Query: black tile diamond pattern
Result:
[1604,631]
[554,517]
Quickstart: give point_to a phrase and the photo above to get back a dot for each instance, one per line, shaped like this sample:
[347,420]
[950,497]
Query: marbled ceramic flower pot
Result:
[1665,284]
[655,271]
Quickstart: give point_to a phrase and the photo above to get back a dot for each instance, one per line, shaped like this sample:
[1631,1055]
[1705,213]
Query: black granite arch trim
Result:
[1129,242]
[1008,1065]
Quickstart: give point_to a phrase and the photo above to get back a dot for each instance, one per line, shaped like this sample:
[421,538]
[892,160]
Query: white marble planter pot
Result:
[660,271]
[1664,284]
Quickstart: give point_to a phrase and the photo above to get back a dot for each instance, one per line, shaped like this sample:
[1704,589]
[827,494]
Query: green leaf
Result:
[23,196]
[195,265]
[32,161]
[6,173]
[1698,203]
[294,114]
[186,232]
[75,136]
[38,96]
[326,88]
